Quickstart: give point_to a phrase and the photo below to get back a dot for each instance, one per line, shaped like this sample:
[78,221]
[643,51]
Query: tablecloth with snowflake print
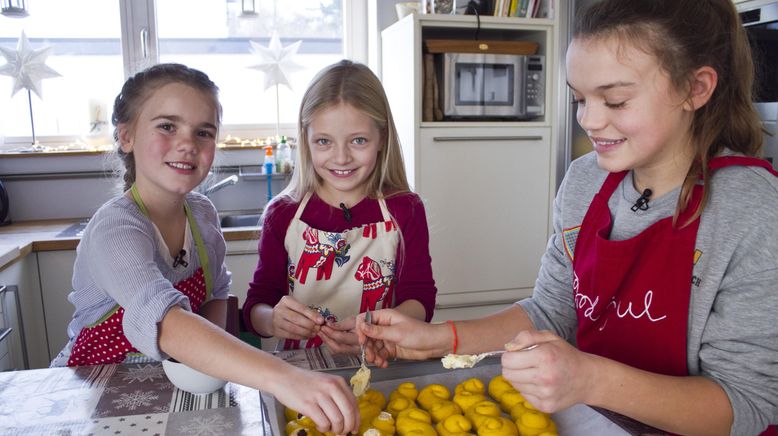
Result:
[127,399]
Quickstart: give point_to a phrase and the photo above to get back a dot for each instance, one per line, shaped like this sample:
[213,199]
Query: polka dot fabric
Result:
[106,343]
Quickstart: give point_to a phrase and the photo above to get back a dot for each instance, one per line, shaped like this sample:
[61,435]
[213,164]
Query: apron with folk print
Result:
[341,273]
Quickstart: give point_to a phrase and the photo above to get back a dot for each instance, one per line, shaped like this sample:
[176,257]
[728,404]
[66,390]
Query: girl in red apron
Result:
[335,242]
[656,298]
[151,261]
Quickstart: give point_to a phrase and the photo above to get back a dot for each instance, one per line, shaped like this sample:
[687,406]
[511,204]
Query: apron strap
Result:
[195,233]
[725,161]
[384,209]
[302,205]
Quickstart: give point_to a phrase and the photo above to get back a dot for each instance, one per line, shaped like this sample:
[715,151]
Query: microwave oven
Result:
[492,86]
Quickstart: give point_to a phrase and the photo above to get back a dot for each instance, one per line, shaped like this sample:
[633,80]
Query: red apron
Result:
[104,341]
[632,296]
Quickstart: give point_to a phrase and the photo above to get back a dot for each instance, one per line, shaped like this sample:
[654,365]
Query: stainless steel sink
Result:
[245,220]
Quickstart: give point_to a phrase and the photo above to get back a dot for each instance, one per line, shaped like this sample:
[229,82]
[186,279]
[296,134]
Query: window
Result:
[95,56]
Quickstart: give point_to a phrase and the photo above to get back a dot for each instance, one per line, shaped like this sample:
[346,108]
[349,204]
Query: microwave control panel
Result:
[535,85]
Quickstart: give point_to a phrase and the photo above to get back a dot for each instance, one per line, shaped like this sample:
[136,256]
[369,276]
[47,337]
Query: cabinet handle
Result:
[485,138]
[479,304]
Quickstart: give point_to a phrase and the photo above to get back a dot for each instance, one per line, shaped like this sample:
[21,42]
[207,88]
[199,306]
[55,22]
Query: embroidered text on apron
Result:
[632,296]
[104,341]
[354,269]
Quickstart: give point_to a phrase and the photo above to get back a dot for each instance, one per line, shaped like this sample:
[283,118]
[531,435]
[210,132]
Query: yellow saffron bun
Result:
[473,385]
[533,423]
[480,411]
[465,399]
[431,394]
[375,397]
[454,425]
[443,409]
[497,426]
[398,404]
[510,399]
[498,385]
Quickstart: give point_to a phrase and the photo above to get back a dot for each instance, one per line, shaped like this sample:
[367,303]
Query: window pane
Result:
[85,51]
[214,36]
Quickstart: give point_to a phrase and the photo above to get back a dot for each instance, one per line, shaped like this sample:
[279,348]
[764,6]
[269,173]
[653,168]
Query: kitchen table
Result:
[126,399]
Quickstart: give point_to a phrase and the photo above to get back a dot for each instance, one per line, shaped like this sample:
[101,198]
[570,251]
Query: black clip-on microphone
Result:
[642,201]
[179,259]
[346,212]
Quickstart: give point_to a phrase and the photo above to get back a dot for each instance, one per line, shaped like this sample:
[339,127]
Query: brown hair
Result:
[685,35]
[138,88]
[353,84]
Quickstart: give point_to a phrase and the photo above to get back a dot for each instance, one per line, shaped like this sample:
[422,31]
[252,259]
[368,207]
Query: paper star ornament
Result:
[275,61]
[27,66]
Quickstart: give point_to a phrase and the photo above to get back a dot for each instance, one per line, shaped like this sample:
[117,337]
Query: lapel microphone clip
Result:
[642,201]
[179,259]
[346,212]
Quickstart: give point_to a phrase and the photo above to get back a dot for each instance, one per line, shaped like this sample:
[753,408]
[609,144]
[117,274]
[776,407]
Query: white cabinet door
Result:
[486,191]
[241,261]
[56,273]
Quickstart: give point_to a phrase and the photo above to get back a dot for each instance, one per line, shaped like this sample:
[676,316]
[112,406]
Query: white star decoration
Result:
[276,61]
[27,66]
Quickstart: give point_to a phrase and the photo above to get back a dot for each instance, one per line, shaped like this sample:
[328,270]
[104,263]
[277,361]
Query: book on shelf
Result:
[428,71]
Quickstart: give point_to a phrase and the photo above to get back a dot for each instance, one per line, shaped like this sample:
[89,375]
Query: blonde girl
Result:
[347,235]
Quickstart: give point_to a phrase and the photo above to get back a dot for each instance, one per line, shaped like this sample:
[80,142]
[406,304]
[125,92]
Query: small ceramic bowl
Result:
[190,380]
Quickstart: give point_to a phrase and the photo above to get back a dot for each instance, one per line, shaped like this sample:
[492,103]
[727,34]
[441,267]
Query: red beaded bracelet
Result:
[456,338]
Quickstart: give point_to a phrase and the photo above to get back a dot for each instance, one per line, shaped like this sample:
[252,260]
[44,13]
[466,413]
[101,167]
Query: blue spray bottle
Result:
[270,162]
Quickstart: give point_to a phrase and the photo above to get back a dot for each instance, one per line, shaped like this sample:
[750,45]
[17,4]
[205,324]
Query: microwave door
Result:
[469,89]
[501,92]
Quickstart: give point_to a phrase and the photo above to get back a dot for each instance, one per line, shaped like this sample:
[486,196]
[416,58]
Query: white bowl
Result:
[190,380]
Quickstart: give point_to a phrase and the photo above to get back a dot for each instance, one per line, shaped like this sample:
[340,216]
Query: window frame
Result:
[140,49]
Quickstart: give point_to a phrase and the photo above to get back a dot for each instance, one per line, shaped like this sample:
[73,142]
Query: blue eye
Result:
[360,141]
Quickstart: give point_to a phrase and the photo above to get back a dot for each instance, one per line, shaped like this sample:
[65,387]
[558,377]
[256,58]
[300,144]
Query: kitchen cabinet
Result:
[241,260]
[488,186]
[56,278]
[25,345]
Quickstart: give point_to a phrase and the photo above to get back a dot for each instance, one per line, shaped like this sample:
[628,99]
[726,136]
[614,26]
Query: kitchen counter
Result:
[20,239]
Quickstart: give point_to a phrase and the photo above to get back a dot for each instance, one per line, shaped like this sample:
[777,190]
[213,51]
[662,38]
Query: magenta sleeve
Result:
[414,264]
[269,283]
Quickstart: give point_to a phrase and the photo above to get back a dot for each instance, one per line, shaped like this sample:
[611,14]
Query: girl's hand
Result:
[325,398]
[341,337]
[392,334]
[294,320]
[553,376]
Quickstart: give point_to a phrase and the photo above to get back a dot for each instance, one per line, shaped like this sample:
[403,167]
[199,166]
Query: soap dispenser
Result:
[270,161]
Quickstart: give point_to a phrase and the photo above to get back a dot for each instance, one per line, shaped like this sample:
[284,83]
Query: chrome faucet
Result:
[223,183]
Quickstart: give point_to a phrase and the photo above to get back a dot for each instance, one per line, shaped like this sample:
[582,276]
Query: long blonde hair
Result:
[685,35]
[353,84]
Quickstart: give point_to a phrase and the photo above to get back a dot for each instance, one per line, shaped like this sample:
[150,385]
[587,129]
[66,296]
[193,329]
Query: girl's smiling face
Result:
[632,113]
[173,139]
[344,145]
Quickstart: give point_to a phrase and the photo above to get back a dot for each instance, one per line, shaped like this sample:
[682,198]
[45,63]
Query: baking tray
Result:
[577,420]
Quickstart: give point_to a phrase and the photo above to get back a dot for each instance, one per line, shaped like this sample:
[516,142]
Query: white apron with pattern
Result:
[341,273]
